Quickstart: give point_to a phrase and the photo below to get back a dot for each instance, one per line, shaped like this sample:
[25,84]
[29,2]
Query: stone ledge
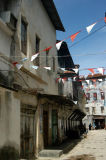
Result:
[50,153]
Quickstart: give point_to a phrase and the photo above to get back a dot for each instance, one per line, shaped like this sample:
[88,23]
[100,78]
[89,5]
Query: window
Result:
[102,109]
[47,62]
[53,63]
[94,96]
[87,96]
[23,36]
[102,96]
[87,109]
[37,46]
[93,110]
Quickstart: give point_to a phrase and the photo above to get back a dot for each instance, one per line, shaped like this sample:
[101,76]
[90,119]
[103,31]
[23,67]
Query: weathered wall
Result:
[100,86]
[9,119]
[47,35]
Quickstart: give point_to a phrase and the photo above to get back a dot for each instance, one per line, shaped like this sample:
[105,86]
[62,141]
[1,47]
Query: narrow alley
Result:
[91,148]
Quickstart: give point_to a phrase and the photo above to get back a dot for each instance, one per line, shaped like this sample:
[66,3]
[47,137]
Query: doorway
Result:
[45,128]
[27,132]
[54,126]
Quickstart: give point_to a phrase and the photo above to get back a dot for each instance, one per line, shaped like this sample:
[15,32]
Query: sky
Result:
[77,15]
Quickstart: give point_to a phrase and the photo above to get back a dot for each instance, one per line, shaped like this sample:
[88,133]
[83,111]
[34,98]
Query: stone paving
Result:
[92,148]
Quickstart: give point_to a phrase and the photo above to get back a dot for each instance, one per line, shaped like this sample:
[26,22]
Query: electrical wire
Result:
[87,36]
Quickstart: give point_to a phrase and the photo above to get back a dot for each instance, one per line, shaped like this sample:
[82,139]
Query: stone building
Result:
[71,88]
[33,115]
[96,104]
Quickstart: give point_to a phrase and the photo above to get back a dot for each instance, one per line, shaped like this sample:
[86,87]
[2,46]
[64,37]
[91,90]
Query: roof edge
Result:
[52,12]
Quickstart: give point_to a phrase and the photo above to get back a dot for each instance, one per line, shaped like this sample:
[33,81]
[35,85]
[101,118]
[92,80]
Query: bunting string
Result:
[58,44]
[86,54]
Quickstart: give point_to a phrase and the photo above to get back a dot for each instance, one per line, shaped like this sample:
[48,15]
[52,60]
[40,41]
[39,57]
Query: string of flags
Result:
[58,45]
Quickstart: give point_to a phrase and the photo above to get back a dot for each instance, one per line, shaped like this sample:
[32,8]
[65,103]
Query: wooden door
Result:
[45,128]
[27,133]
[54,126]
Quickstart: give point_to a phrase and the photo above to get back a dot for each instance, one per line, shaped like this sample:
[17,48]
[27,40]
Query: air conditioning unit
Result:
[9,19]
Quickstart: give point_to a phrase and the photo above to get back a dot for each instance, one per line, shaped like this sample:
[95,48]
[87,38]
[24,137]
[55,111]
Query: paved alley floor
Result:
[91,148]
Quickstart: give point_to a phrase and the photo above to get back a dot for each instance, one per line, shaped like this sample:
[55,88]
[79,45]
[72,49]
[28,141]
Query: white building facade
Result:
[95,90]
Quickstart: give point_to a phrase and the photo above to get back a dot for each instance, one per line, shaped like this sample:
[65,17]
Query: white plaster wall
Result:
[100,86]
[39,24]
[5,43]
[9,119]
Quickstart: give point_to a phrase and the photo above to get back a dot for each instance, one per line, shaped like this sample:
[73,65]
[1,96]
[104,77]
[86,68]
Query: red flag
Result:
[82,86]
[57,79]
[95,85]
[65,78]
[47,49]
[14,63]
[92,70]
[105,19]
[74,35]
[94,80]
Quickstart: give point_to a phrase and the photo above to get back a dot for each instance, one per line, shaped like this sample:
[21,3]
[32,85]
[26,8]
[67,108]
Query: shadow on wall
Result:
[9,153]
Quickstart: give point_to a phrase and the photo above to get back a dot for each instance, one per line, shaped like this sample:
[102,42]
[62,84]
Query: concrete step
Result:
[50,153]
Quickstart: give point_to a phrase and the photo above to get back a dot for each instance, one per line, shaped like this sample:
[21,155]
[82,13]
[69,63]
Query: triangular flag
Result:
[101,70]
[75,102]
[100,80]
[60,80]
[69,79]
[48,68]
[74,35]
[74,79]
[76,70]
[34,56]
[14,63]
[47,49]
[89,28]
[24,59]
[58,45]
[63,80]
[92,70]
[57,79]
[19,66]
[85,76]
[94,80]
[34,67]
[95,85]
[105,19]
[82,86]
[63,69]
[87,81]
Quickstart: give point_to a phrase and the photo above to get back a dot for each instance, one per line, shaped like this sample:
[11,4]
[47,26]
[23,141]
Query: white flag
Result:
[48,68]
[74,79]
[34,67]
[75,102]
[34,56]
[101,70]
[87,81]
[100,80]
[19,66]
[24,59]
[58,45]
[63,69]
[76,70]
[89,28]
[59,80]
[63,80]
